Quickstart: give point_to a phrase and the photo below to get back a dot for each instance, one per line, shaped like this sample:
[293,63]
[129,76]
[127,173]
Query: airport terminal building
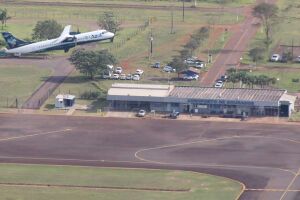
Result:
[231,102]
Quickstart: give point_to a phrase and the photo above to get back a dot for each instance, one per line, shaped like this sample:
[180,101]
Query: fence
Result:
[139,30]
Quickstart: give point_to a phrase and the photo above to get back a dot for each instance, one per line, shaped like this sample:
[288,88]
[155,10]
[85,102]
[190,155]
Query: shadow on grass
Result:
[97,104]
[66,79]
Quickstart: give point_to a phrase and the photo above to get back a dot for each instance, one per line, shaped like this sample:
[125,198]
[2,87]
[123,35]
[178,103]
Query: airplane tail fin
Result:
[12,41]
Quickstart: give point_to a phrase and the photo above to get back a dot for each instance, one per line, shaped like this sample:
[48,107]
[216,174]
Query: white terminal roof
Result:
[171,93]
[140,90]
[262,95]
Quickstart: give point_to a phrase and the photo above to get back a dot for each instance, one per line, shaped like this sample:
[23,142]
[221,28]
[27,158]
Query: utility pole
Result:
[151,45]
[183,9]
[292,49]
[172,21]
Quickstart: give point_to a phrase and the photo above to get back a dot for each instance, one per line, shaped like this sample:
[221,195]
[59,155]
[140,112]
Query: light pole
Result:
[183,10]
[172,20]
[151,45]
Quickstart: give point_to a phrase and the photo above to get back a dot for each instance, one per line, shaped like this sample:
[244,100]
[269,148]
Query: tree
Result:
[3,17]
[2,43]
[109,22]
[178,64]
[267,13]
[91,63]
[193,44]
[47,29]
[256,54]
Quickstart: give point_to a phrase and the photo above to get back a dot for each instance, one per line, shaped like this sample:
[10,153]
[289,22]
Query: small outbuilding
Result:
[64,101]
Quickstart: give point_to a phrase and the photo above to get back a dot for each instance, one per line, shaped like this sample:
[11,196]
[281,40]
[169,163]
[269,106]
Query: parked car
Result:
[106,75]
[219,84]
[275,58]
[199,65]
[174,115]
[115,76]
[123,77]
[118,70]
[169,69]
[298,59]
[191,77]
[136,77]
[128,77]
[189,61]
[156,65]
[141,113]
[224,78]
[139,72]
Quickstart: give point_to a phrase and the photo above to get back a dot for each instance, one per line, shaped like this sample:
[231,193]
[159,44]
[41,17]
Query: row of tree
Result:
[189,48]
[250,80]
[49,29]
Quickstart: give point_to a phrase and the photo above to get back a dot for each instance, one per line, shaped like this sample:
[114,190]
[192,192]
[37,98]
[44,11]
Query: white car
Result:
[169,69]
[191,77]
[275,58]
[139,72]
[128,77]
[136,77]
[219,84]
[199,65]
[298,59]
[119,70]
[123,77]
[115,76]
[141,113]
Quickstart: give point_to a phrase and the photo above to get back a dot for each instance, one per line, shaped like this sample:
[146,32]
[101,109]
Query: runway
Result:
[264,157]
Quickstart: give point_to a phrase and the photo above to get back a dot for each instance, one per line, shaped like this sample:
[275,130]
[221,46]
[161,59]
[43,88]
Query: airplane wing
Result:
[65,34]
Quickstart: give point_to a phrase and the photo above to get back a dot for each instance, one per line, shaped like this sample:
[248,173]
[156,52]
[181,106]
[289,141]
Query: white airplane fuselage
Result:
[56,44]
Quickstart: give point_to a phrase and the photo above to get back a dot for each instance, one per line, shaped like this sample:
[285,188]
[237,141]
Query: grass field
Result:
[193,185]
[131,51]
[19,82]
[285,32]
[284,78]
[202,3]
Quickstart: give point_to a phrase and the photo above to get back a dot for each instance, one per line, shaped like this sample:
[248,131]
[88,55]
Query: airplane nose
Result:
[112,36]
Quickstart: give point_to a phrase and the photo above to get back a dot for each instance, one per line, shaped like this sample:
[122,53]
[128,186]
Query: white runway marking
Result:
[213,164]
[33,135]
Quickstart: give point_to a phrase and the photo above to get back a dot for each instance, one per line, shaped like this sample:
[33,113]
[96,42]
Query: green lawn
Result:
[198,186]
[286,31]
[200,3]
[19,82]
[285,78]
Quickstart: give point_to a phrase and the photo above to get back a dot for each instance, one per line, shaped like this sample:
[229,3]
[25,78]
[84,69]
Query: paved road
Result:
[235,47]
[266,158]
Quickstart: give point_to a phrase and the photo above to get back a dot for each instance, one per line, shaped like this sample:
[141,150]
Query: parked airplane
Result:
[64,42]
